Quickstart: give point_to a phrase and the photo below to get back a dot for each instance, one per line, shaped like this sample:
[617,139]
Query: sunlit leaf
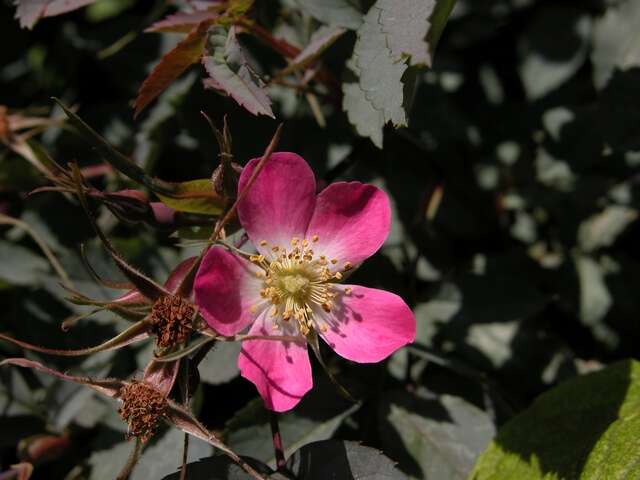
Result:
[615,41]
[585,429]
[194,196]
[392,37]
[230,73]
[339,13]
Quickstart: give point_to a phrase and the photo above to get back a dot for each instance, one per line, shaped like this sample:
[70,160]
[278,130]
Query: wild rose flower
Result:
[306,243]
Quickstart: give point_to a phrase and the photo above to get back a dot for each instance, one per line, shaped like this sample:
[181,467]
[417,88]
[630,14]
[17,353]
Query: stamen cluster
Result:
[143,407]
[297,282]
[171,320]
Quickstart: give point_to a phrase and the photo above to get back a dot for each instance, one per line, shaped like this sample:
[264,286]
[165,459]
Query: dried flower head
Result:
[171,320]
[143,407]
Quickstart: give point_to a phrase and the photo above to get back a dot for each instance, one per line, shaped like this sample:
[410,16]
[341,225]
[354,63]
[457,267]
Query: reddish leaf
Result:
[30,11]
[172,65]
[182,22]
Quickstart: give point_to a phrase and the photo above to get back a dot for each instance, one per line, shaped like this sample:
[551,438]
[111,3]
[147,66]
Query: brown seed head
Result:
[171,320]
[143,407]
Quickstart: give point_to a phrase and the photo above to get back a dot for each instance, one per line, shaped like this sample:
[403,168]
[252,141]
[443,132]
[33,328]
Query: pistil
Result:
[297,282]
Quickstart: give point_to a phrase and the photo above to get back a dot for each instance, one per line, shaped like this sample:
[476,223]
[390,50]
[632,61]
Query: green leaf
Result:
[546,64]
[368,121]
[20,266]
[161,458]
[194,196]
[595,299]
[317,417]
[585,429]
[230,73]
[602,229]
[219,468]
[615,41]
[343,460]
[220,365]
[338,13]
[393,36]
[434,436]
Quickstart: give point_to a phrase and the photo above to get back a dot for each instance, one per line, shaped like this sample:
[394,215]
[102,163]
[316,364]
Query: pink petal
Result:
[368,325]
[279,204]
[352,221]
[280,370]
[226,290]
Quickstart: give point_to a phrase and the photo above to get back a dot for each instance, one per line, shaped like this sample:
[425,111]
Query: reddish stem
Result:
[277,440]
[285,49]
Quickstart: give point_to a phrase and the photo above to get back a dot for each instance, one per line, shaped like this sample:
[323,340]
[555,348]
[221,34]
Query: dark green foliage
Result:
[514,182]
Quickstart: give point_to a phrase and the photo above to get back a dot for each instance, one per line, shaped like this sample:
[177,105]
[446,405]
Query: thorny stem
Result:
[131,462]
[277,440]
[64,277]
[185,401]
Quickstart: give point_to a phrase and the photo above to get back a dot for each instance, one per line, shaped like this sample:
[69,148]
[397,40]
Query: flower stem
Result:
[131,462]
[277,440]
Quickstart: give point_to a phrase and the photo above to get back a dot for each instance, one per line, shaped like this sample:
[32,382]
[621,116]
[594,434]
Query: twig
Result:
[64,277]
[277,440]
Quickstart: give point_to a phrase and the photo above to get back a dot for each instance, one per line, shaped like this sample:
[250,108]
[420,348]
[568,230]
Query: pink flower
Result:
[306,243]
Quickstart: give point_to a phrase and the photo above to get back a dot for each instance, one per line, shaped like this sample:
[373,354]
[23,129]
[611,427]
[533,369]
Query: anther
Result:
[347,291]
[263,243]
[337,276]
[326,307]
[347,266]
[334,260]
[315,238]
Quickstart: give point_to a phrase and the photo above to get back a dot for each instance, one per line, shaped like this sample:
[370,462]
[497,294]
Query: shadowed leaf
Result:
[343,460]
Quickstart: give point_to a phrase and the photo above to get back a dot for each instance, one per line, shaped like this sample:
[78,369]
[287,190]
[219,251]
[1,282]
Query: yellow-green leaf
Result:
[194,196]
[587,428]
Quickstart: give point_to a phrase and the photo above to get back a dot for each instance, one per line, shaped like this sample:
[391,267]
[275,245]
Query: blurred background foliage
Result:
[515,192]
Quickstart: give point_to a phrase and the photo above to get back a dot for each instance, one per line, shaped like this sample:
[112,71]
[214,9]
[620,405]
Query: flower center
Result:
[297,282]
